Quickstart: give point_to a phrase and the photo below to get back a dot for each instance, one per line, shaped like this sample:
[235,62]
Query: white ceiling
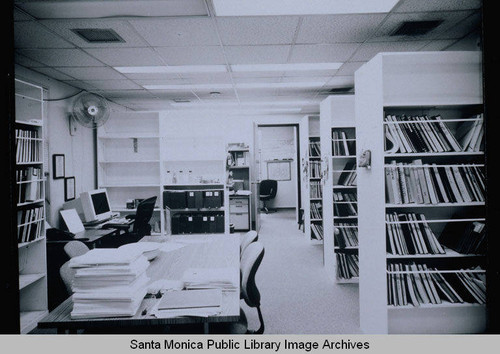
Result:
[192,35]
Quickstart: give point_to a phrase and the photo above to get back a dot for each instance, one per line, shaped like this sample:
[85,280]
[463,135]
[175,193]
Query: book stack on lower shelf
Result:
[417,285]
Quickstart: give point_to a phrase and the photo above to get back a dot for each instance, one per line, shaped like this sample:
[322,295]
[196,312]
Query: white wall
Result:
[230,127]
[278,143]
[78,149]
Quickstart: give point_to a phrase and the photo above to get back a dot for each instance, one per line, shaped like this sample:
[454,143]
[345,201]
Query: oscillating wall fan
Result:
[90,110]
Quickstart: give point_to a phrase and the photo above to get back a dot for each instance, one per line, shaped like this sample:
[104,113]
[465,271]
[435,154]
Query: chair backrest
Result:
[75,248]
[269,187]
[249,264]
[143,215]
[67,275]
[248,238]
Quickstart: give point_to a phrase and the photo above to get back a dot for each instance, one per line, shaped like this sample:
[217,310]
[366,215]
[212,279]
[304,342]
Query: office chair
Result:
[67,275]
[248,238]
[75,248]
[250,262]
[268,190]
[141,226]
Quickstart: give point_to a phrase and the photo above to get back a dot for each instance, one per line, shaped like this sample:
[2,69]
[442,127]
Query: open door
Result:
[255,176]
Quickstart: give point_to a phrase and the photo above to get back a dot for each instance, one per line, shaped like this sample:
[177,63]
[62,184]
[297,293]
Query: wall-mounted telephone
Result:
[59,235]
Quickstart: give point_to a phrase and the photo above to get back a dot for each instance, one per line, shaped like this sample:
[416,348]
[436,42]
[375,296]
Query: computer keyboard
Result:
[117,221]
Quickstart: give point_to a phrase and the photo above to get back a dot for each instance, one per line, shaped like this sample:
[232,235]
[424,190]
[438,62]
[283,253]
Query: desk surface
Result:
[201,251]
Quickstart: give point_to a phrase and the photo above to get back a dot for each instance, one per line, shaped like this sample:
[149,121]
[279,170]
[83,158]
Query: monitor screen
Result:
[100,202]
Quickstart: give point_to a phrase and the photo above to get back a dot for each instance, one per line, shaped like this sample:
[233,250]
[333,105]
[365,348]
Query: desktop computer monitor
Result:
[95,205]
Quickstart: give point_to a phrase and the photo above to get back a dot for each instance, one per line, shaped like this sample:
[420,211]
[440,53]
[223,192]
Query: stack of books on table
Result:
[108,283]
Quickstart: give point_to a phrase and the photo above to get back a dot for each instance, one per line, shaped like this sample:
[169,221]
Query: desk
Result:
[205,251]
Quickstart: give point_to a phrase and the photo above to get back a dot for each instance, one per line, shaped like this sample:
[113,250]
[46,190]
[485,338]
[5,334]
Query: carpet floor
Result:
[297,296]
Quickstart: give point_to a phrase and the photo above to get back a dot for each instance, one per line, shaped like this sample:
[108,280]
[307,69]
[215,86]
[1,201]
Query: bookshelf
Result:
[338,144]
[30,182]
[128,150]
[421,204]
[194,166]
[312,191]
[238,186]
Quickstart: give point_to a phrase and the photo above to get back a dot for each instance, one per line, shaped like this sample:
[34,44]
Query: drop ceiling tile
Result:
[113,84]
[257,30]
[350,68]
[207,78]
[121,27]
[437,45]
[440,5]
[61,57]
[224,94]
[472,42]
[369,50]
[152,76]
[322,79]
[30,34]
[21,15]
[177,31]
[129,94]
[252,80]
[258,54]
[252,93]
[310,53]
[80,84]
[126,56]
[174,94]
[25,61]
[257,74]
[193,55]
[463,28]
[92,73]
[310,73]
[338,28]
[341,81]
[176,81]
[450,20]
[53,73]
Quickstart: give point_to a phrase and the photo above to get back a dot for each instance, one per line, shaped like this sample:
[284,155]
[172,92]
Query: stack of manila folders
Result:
[201,295]
[109,282]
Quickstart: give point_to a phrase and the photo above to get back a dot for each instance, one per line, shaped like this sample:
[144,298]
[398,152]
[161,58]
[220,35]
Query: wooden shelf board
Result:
[28,279]
[29,203]
[434,154]
[29,123]
[344,187]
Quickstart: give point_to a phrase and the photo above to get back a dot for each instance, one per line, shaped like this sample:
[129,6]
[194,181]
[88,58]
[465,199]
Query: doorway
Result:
[277,157]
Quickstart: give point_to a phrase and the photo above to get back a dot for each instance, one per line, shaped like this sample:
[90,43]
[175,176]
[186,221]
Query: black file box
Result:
[197,224]
[175,224]
[174,199]
[212,199]
[212,224]
[194,199]
[219,223]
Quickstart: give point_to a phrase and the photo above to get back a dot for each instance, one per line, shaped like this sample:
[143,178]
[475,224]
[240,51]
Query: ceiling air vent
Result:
[416,28]
[98,35]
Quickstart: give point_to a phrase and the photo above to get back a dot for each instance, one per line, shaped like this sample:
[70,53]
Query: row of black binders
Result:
[197,223]
[196,199]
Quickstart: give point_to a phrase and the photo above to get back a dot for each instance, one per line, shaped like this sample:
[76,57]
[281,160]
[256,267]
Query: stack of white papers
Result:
[108,283]
[199,303]
[206,278]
